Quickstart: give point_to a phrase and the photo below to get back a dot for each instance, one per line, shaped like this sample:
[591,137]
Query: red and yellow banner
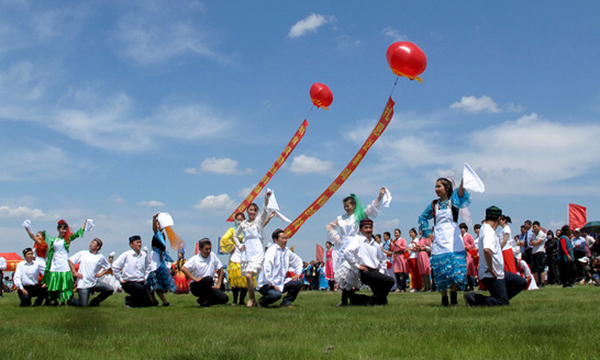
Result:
[385,119]
[265,180]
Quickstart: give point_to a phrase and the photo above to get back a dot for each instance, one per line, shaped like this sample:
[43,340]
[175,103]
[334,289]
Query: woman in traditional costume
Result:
[400,265]
[159,280]
[348,225]
[181,281]
[237,282]
[413,267]
[424,248]
[448,255]
[252,249]
[506,244]
[329,272]
[469,244]
[58,277]
[39,239]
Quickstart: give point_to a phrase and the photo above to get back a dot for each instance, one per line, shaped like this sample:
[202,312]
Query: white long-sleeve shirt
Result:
[89,265]
[277,263]
[201,267]
[369,253]
[27,274]
[2,263]
[130,266]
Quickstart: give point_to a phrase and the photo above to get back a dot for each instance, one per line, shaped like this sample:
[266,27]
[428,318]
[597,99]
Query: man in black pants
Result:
[365,254]
[201,269]
[132,268]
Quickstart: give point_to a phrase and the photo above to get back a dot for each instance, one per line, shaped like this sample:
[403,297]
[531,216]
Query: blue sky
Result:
[116,110]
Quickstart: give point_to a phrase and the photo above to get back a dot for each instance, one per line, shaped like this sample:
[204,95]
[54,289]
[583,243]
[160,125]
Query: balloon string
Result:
[394,87]
[309,111]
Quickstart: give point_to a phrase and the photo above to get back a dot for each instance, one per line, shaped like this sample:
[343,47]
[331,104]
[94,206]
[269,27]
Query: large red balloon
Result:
[320,95]
[406,59]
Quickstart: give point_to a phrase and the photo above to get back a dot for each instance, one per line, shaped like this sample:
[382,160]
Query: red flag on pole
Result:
[577,216]
[320,252]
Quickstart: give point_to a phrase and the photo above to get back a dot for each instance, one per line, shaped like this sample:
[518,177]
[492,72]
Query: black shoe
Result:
[444,301]
[469,298]
[453,298]
[94,304]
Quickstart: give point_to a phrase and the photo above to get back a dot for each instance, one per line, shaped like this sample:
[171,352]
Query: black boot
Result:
[453,298]
[445,301]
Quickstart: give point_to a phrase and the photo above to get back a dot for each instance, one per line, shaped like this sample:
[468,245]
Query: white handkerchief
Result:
[89,225]
[282,217]
[471,180]
[27,224]
[273,206]
[272,203]
[165,220]
[386,199]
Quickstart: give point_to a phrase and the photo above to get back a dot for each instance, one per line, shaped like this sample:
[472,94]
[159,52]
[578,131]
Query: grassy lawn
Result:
[552,323]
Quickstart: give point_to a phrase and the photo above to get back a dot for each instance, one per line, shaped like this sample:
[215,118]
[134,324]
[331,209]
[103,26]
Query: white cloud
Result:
[219,166]
[151,203]
[474,105]
[306,165]
[245,191]
[48,162]
[147,40]
[116,198]
[484,104]
[24,212]
[218,203]
[393,34]
[346,41]
[309,24]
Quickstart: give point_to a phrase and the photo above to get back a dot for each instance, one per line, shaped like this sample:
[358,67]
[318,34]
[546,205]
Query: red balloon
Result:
[320,95]
[406,59]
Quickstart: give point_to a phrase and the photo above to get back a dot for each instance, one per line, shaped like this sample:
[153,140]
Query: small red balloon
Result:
[406,59]
[321,95]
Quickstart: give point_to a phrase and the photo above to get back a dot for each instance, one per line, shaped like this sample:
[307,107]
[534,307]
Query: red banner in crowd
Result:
[577,216]
[385,119]
[320,252]
[265,180]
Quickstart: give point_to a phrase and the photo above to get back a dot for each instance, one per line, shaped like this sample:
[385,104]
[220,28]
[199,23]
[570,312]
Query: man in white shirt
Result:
[280,274]
[132,268]
[2,268]
[201,269]
[538,257]
[502,285]
[92,266]
[26,279]
[366,255]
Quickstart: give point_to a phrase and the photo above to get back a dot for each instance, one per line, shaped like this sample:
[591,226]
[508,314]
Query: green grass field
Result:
[552,323]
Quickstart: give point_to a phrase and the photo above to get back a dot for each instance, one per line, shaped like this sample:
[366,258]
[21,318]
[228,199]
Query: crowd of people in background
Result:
[441,256]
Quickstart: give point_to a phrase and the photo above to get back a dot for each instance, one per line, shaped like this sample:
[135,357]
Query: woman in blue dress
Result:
[448,255]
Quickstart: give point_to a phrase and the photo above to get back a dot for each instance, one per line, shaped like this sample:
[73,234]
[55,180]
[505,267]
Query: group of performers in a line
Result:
[361,261]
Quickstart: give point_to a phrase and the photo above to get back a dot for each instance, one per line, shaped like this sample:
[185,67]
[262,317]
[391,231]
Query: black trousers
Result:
[208,296]
[566,272]
[380,285]
[33,291]
[138,295]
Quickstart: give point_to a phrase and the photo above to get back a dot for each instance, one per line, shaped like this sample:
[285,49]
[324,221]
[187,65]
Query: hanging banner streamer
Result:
[385,119]
[265,180]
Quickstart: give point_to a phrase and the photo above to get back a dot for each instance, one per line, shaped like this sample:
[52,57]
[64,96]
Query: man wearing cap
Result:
[132,268]
[92,266]
[280,274]
[502,285]
[201,269]
[366,255]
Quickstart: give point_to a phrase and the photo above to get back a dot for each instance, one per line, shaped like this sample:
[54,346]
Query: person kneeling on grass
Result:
[366,256]
[27,280]
[200,269]
[91,267]
[502,285]
[132,268]
[274,280]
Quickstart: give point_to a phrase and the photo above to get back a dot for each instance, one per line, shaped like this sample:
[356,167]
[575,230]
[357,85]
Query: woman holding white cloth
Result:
[252,250]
